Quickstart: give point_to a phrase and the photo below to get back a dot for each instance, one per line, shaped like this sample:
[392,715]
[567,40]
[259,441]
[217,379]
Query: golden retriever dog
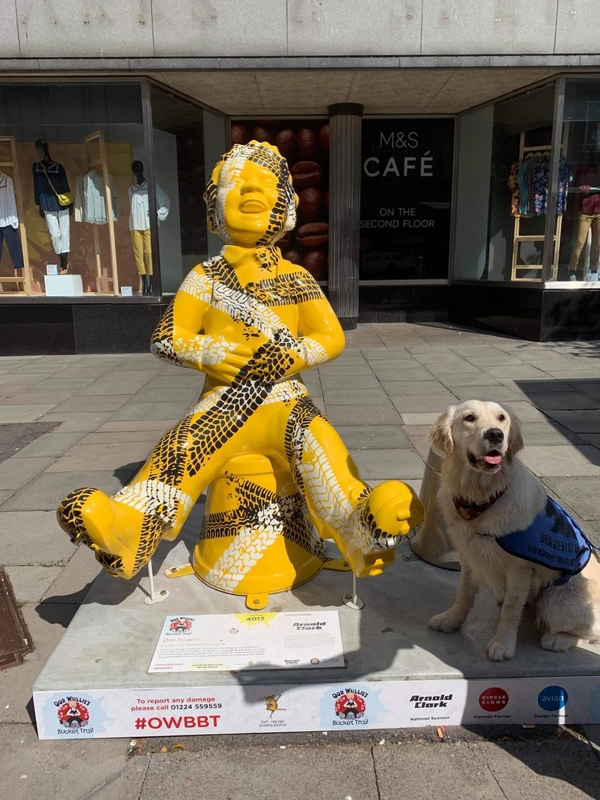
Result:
[486,495]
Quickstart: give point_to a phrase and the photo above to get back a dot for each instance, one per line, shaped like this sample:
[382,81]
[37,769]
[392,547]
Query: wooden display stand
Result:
[102,280]
[518,237]
[25,281]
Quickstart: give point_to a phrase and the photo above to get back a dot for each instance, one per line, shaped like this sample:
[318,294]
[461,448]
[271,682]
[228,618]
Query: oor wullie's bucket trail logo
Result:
[180,625]
[73,712]
[350,704]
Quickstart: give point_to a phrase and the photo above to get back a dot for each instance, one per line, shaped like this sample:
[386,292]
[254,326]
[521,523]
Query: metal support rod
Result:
[154,598]
[353,601]
[151,580]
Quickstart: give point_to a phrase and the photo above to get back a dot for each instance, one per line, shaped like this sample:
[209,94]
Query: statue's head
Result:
[250,198]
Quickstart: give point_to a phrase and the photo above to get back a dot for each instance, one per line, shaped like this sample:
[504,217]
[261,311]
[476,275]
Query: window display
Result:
[87,189]
[579,245]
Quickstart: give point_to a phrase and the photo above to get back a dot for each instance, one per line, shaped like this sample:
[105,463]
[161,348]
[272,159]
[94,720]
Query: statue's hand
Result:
[223,360]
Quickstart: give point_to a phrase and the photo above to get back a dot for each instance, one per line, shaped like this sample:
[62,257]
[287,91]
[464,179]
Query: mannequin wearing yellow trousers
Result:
[252,322]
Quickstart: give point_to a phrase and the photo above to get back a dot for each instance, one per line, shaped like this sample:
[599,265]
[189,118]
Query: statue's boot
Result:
[391,510]
[122,538]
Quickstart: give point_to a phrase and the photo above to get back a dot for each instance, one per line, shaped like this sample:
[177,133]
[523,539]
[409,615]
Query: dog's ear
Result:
[515,437]
[440,434]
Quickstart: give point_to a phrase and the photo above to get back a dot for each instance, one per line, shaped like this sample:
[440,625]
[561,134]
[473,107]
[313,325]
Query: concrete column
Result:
[345,122]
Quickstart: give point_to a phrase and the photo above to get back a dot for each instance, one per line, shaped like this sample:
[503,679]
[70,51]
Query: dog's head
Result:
[481,432]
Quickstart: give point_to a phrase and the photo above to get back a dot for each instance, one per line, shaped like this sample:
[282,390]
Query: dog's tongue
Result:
[492,459]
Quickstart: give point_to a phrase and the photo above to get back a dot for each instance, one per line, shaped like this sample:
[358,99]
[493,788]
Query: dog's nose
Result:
[494,435]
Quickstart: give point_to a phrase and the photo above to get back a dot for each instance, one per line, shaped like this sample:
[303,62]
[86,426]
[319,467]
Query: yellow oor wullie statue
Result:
[251,321]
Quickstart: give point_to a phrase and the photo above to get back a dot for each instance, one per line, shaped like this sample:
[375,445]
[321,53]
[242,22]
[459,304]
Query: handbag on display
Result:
[65,199]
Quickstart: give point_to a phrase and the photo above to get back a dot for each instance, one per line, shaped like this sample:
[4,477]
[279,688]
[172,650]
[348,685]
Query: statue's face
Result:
[250,199]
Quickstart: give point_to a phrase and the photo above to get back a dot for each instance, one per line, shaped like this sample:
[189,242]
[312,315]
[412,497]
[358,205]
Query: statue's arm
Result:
[320,335]
[180,338]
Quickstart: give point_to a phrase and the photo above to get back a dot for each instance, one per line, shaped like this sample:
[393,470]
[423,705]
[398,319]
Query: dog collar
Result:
[469,511]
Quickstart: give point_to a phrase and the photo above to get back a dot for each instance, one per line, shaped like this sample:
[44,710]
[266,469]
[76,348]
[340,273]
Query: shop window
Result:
[406,190]
[66,152]
[305,145]
[579,234]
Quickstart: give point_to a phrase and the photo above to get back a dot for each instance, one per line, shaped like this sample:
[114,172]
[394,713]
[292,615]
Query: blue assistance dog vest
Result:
[552,540]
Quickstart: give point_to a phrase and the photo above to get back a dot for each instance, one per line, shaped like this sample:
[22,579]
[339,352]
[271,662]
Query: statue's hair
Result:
[229,166]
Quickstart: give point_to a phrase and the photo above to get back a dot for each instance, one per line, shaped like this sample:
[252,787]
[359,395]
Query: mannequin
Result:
[587,217]
[49,180]
[9,224]
[139,224]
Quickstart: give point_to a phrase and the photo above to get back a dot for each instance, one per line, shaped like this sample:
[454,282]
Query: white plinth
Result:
[63,285]
[406,674]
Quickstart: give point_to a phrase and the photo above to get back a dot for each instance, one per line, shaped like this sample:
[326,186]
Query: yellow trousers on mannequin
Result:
[584,223]
[142,251]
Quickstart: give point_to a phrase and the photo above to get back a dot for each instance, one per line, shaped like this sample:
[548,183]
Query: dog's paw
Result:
[501,648]
[445,622]
[558,642]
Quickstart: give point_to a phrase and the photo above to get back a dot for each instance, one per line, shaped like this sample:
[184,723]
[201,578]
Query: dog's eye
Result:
[501,418]
[470,418]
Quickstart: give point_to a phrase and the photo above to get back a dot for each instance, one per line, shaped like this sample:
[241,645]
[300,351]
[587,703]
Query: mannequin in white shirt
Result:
[139,224]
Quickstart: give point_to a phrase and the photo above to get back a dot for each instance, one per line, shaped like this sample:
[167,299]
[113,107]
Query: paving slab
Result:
[135,425]
[147,411]
[18,472]
[347,397]
[580,493]
[563,769]
[499,394]
[15,378]
[75,421]
[100,456]
[563,400]
[23,412]
[405,374]
[367,437]
[5,494]
[150,436]
[423,403]
[329,382]
[589,387]
[346,368]
[417,772]
[383,353]
[31,583]
[77,770]
[388,464]
[174,394]
[33,537]
[453,368]
[55,384]
[87,403]
[25,397]
[182,378]
[45,492]
[356,414]
[51,445]
[76,578]
[527,412]
[402,388]
[578,421]
[562,460]
[46,625]
[99,388]
[420,419]
[451,379]
[550,432]
[328,772]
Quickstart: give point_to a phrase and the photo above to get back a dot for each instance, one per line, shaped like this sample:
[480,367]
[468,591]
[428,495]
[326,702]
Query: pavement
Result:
[97,416]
